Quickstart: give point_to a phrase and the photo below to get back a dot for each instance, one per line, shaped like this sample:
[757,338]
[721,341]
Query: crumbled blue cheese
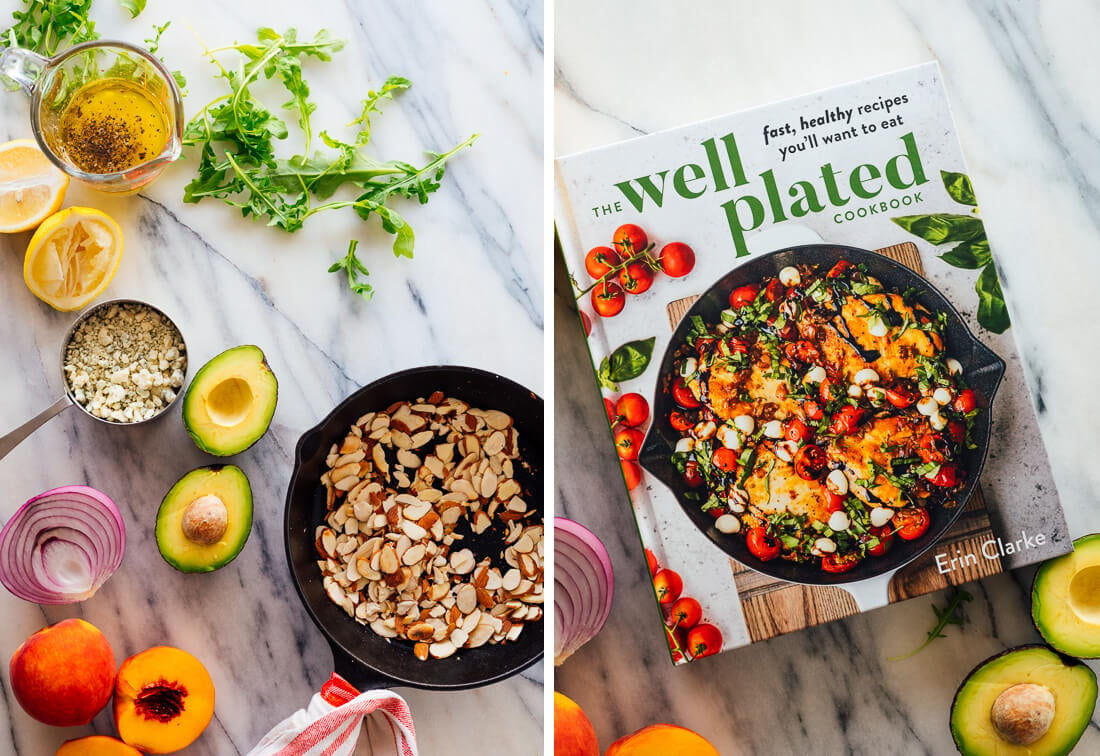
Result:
[125,363]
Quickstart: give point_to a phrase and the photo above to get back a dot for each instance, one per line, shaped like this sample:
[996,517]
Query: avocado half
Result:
[1065,600]
[205,518]
[230,402]
[1027,701]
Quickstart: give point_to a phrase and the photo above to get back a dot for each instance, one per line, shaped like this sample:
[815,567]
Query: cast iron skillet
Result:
[981,367]
[359,655]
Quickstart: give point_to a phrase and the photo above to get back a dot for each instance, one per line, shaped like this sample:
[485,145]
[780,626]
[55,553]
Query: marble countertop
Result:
[473,295]
[1028,117]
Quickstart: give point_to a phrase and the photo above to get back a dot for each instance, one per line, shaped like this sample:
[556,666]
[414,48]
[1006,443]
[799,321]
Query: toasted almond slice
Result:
[442,649]
[510,580]
[388,562]
[488,485]
[417,509]
[466,598]
[412,530]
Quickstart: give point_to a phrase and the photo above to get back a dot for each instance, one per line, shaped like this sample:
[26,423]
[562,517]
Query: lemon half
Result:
[31,187]
[72,257]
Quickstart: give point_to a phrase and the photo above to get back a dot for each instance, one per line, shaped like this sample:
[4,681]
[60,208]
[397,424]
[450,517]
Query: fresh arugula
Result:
[46,26]
[236,136]
[971,250]
[949,615]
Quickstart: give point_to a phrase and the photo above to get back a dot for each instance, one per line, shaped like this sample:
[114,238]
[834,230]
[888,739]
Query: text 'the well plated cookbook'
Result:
[824,408]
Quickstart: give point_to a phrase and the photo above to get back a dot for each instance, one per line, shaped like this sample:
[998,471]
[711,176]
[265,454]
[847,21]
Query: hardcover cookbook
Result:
[797,326]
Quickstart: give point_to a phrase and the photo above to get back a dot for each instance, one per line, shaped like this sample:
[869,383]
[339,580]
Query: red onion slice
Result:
[584,586]
[61,546]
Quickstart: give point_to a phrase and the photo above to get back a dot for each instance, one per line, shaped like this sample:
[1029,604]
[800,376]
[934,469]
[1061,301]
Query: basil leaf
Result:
[960,189]
[969,255]
[942,227]
[630,360]
[992,312]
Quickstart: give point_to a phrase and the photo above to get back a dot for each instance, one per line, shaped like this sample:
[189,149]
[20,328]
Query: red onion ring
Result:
[61,546]
[584,586]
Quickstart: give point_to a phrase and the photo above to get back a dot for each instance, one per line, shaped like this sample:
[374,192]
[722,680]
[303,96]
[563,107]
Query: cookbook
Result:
[797,325]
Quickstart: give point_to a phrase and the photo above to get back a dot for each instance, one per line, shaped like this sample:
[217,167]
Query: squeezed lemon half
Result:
[31,187]
[72,257]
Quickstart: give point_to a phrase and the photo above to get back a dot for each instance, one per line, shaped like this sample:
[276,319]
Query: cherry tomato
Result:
[685,612]
[812,409]
[956,431]
[737,345]
[682,395]
[761,545]
[932,447]
[636,278]
[885,538]
[911,523]
[743,295]
[586,323]
[947,477]
[632,409]
[839,269]
[608,299]
[629,240]
[677,259]
[724,459]
[797,430]
[609,408]
[965,402]
[632,473]
[846,420]
[668,585]
[680,421]
[839,562]
[810,462]
[628,441]
[901,396]
[774,291]
[704,640]
[834,502]
[600,260]
[692,476]
[651,561]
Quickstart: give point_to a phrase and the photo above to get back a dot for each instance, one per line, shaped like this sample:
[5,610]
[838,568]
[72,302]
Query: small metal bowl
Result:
[13,438]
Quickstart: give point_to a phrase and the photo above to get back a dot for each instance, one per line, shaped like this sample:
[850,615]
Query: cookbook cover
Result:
[796,322]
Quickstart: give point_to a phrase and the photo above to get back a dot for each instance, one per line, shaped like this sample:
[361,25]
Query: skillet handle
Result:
[359,675]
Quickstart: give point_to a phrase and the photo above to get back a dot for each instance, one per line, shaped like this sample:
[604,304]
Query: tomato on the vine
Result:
[839,562]
[629,240]
[682,395]
[744,295]
[704,640]
[679,421]
[636,278]
[685,612]
[691,474]
[628,441]
[912,522]
[724,459]
[608,299]
[668,585]
[632,409]
[677,259]
[761,545]
[600,260]
[609,408]
[651,562]
[632,473]
[810,462]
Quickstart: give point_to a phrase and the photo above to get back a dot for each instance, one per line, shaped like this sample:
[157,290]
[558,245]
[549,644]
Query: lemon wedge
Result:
[72,257]
[31,187]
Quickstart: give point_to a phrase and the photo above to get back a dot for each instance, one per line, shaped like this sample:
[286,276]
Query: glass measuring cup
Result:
[106,112]
[96,315]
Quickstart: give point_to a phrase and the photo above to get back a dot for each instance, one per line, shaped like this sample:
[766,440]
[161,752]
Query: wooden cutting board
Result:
[773,607]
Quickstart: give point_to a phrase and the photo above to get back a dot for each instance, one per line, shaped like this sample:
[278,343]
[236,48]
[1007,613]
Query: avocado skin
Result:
[1043,654]
[1049,596]
[231,485]
[244,437]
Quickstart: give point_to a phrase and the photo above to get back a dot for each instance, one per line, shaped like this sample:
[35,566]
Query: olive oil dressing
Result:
[111,125]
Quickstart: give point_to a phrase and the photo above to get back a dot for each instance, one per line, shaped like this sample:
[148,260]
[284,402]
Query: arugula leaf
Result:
[45,26]
[949,615]
[992,311]
[959,188]
[355,270]
[393,85]
[941,228]
[627,362]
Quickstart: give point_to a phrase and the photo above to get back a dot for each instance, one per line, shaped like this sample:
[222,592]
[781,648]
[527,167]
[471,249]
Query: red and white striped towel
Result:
[332,724]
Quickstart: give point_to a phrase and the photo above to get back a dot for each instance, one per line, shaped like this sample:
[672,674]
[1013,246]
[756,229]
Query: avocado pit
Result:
[1023,713]
[205,520]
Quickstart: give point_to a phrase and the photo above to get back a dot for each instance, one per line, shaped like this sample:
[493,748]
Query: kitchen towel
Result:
[333,722]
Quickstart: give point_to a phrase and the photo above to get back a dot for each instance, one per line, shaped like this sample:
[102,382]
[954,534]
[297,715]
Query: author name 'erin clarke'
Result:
[992,548]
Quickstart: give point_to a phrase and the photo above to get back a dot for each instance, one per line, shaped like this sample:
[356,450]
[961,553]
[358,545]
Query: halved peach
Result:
[96,745]
[164,699]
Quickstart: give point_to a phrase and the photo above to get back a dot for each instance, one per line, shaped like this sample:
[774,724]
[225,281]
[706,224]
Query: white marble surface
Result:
[473,295]
[1027,114]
